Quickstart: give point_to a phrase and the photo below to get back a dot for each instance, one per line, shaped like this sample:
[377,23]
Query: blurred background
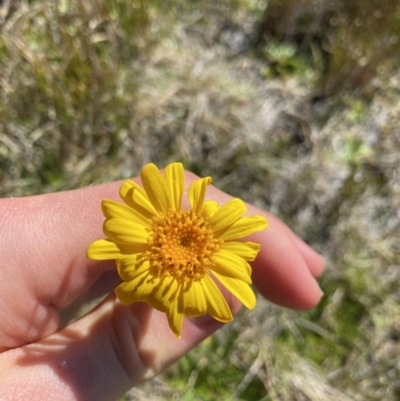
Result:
[292,105]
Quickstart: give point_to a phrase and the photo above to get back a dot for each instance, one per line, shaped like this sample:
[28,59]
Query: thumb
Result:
[99,357]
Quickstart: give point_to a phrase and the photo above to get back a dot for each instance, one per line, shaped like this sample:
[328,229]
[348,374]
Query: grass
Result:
[91,91]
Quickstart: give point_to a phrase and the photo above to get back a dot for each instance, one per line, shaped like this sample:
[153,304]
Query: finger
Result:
[280,271]
[103,286]
[284,269]
[43,241]
[314,261]
[100,356]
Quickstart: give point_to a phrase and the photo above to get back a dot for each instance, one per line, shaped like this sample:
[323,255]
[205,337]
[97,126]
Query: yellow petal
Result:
[105,249]
[116,209]
[197,191]
[230,265]
[164,294]
[244,227]
[125,188]
[126,191]
[175,319]
[120,230]
[132,266]
[168,291]
[156,188]
[217,306]
[143,288]
[137,289]
[155,303]
[245,250]
[227,214]
[194,303]
[239,289]
[142,204]
[209,208]
[175,180]
[135,197]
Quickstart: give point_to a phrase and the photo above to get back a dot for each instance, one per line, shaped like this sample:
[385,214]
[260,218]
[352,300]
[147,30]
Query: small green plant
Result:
[356,40]
[283,61]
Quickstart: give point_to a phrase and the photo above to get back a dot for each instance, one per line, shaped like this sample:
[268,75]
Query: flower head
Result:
[170,257]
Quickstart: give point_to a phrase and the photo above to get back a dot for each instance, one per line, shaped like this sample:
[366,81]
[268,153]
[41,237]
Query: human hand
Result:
[44,274]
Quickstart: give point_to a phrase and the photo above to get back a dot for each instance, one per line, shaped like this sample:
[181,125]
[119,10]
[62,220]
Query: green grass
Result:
[91,91]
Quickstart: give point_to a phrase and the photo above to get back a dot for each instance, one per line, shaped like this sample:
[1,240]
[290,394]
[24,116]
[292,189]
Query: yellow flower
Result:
[170,257]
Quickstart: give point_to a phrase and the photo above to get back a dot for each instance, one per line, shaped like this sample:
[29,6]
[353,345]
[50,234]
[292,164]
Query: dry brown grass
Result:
[351,42]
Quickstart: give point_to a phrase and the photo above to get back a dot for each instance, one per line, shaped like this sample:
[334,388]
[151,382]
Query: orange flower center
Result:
[181,244]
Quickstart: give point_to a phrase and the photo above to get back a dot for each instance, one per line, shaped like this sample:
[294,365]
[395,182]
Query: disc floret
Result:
[181,244]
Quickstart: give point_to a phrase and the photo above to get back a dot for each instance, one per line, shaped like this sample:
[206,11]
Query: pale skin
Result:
[45,276]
